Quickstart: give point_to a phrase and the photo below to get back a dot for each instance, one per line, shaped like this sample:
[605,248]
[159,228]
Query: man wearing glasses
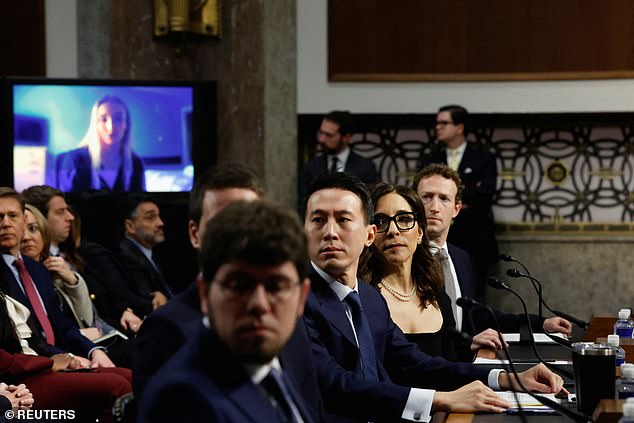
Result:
[334,137]
[474,228]
[252,292]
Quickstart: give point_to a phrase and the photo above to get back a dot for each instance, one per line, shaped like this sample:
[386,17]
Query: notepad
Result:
[528,402]
[540,338]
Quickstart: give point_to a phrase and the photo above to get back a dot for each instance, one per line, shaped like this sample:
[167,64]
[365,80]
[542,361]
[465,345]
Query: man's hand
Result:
[20,397]
[537,379]
[100,359]
[469,399]
[158,299]
[130,321]
[557,324]
[487,339]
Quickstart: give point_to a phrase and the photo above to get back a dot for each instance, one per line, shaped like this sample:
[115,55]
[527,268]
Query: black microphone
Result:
[514,273]
[469,303]
[498,284]
[506,257]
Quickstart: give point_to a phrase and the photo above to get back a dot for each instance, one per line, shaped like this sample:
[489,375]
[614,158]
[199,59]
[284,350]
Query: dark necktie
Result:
[367,356]
[275,387]
[334,164]
[34,299]
[450,284]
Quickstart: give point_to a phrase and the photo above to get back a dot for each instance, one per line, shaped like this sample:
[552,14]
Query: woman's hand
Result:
[130,321]
[59,267]
[65,361]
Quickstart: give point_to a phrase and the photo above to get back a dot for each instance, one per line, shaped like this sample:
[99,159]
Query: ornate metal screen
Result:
[565,172]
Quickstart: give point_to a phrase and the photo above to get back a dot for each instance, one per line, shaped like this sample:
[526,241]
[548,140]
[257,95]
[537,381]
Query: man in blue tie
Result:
[367,369]
[252,291]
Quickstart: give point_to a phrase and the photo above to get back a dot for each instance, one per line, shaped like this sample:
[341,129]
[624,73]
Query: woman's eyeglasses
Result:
[404,221]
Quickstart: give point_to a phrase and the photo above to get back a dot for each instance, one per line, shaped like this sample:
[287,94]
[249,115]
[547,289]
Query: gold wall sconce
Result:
[180,18]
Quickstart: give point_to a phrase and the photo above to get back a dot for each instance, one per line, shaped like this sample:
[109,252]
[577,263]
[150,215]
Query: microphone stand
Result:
[573,415]
[498,284]
[514,273]
[508,258]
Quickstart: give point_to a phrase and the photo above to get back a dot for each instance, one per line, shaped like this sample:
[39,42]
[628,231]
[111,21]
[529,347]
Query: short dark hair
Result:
[39,196]
[8,192]
[444,171]
[343,118]
[132,201]
[343,181]
[260,233]
[426,271]
[222,176]
[459,114]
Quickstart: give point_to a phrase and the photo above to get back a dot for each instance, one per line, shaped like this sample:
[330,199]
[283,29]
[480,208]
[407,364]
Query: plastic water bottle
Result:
[620,352]
[625,385]
[628,413]
[624,326]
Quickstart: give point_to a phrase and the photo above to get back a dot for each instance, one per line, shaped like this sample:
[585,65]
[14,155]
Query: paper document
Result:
[527,401]
[540,338]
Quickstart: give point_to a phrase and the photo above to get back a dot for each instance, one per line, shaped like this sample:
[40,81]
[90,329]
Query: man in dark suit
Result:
[474,229]
[143,230]
[30,283]
[366,367]
[166,330]
[441,190]
[252,290]
[334,137]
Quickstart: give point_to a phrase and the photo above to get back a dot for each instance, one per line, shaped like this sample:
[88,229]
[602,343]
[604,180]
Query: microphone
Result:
[498,284]
[514,273]
[469,303]
[508,258]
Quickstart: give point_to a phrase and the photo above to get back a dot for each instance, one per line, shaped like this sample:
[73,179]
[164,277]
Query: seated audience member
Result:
[401,266]
[366,367]
[55,382]
[334,136]
[30,283]
[15,397]
[440,189]
[72,290]
[252,290]
[143,230]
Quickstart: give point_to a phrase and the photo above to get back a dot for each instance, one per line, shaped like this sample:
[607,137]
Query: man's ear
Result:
[202,293]
[371,235]
[129,226]
[305,289]
[457,209]
[194,238]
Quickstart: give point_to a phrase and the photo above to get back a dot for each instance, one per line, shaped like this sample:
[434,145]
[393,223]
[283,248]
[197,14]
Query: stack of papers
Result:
[527,402]
[540,338]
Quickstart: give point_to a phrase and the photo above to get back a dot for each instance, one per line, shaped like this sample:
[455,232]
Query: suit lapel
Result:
[331,307]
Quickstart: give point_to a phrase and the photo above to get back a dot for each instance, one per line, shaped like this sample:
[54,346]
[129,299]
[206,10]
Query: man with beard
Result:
[334,136]
[143,229]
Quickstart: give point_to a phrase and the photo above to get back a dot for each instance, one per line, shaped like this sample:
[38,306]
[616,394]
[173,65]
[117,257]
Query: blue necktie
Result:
[367,356]
[275,386]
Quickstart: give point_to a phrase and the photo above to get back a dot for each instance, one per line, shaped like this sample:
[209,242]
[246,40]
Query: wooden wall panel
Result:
[23,51]
[480,39]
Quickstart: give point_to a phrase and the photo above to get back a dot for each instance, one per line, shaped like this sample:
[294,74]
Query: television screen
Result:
[121,136]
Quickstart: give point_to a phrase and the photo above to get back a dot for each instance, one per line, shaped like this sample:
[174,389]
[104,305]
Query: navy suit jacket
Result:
[400,363]
[67,336]
[204,382]
[167,329]
[356,164]
[145,276]
[478,320]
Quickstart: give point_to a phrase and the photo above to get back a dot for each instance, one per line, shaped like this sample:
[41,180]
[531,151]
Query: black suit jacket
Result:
[145,277]
[357,165]
[204,382]
[477,320]
[67,336]
[474,227]
[400,363]
[166,330]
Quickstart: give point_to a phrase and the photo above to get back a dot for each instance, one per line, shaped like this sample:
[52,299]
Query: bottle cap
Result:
[628,372]
[628,409]
[624,365]
[613,340]
[624,313]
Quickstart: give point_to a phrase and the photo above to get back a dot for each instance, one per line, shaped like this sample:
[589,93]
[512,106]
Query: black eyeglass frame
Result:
[394,219]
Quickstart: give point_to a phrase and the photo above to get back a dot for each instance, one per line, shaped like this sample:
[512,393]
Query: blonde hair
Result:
[42,226]
[92,141]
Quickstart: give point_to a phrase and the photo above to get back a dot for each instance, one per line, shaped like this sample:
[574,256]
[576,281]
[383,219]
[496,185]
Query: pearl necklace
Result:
[397,294]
